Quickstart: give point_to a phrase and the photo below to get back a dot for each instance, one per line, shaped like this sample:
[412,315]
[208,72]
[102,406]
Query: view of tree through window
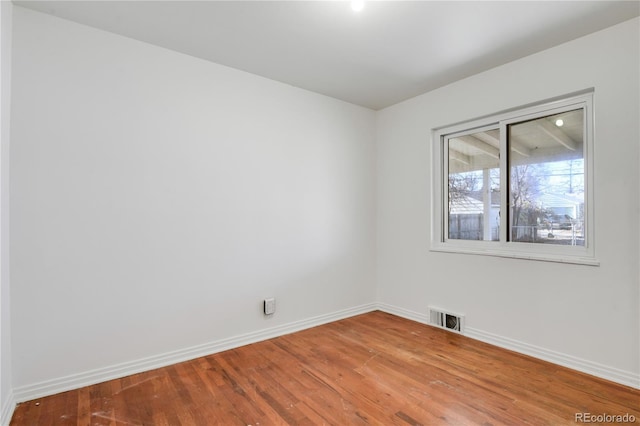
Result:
[547,185]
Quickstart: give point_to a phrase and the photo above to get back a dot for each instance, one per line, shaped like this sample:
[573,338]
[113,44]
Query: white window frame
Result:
[534,251]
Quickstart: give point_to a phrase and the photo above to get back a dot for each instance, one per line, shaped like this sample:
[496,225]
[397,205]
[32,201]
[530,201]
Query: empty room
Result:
[319,212]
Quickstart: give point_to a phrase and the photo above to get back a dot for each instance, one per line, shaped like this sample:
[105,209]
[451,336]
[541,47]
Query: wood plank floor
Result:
[374,368]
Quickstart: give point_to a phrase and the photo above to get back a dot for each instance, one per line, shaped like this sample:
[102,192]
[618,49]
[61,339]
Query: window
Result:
[517,183]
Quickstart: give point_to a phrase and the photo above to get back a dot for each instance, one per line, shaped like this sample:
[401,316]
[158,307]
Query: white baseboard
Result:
[75,381]
[8,407]
[605,372]
[404,313]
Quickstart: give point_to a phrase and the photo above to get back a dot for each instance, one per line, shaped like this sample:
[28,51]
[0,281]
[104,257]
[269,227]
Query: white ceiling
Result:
[389,52]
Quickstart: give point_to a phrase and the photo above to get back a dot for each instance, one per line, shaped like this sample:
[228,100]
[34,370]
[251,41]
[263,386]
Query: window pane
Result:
[546,179]
[474,186]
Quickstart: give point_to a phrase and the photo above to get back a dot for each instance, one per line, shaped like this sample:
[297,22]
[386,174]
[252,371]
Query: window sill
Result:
[542,257]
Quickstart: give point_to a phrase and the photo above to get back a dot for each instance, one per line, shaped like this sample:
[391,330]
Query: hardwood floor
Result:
[374,368]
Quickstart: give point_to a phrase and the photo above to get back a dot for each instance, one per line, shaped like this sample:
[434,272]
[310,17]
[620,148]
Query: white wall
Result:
[157,199]
[579,314]
[6,403]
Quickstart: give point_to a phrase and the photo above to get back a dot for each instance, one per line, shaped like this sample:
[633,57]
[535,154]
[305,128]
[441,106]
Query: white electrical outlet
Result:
[269,306]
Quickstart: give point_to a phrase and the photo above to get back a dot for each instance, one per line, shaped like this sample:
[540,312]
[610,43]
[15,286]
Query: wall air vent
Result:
[447,320]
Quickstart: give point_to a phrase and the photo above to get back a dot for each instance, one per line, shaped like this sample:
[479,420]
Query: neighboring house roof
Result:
[466,205]
[495,197]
